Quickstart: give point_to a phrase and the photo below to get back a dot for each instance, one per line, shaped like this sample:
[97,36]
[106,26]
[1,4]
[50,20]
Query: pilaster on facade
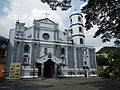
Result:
[56,71]
[42,70]
[75,61]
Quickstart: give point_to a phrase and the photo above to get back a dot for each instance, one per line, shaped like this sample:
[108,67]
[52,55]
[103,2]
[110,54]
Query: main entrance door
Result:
[49,68]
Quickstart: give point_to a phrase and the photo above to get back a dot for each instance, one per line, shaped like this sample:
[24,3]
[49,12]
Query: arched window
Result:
[81,41]
[71,31]
[63,51]
[79,19]
[85,62]
[72,41]
[45,51]
[80,29]
[26,48]
[85,52]
[70,21]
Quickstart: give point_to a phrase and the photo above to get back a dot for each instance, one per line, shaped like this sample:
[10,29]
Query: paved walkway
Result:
[61,84]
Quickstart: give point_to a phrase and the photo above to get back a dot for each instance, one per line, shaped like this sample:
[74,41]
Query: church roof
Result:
[47,19]
[76,13]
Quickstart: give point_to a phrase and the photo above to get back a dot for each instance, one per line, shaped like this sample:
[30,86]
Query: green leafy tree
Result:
[101,60]
[116,62]
[113,56]
[105,14]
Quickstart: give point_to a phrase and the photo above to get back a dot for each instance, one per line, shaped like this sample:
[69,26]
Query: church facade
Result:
[45,51]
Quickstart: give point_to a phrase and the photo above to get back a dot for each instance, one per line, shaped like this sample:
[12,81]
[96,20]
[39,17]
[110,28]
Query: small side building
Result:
[3,54]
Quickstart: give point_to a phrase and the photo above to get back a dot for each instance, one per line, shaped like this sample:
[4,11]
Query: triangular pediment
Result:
[48,56]
[46,20]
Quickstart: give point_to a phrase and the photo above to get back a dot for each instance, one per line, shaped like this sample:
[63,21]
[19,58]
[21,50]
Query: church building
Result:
[44,51]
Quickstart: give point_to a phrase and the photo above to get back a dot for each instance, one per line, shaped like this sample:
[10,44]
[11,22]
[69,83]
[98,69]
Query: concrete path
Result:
[61,84]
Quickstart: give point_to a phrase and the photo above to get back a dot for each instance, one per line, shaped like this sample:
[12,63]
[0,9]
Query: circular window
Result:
[46,36]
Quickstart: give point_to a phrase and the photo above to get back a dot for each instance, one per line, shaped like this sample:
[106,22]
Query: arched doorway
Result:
[49,68]
[85,73]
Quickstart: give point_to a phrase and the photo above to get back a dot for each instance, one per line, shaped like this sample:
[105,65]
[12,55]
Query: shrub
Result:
[104,74]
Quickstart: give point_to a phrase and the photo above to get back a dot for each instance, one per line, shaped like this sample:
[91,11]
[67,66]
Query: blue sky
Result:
[77,4]
[4,3]
[28,10]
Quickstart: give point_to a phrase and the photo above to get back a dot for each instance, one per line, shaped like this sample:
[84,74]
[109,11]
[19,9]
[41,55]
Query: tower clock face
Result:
[46,36]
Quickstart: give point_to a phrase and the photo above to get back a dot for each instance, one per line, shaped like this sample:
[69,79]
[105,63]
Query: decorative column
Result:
[33,58]
[55,71]
[87,73]
[75,61]
[33,69]
[42,71]
[21,55]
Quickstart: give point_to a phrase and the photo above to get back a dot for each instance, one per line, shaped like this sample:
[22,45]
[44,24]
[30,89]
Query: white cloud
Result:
[26,11]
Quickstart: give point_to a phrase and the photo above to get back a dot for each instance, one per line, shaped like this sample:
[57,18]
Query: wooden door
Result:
[1,71]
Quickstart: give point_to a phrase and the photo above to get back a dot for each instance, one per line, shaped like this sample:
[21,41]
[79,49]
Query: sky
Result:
[28,10]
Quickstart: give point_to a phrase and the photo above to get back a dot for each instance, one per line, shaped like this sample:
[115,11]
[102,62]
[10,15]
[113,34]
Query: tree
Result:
[105,14]
[101,60]
[109,51]
[113,56]
[116,58]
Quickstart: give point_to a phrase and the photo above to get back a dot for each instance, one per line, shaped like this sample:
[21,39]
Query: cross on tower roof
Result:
[46,14]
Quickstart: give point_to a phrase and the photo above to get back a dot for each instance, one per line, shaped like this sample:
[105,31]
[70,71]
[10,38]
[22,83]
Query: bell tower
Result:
[76,27]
